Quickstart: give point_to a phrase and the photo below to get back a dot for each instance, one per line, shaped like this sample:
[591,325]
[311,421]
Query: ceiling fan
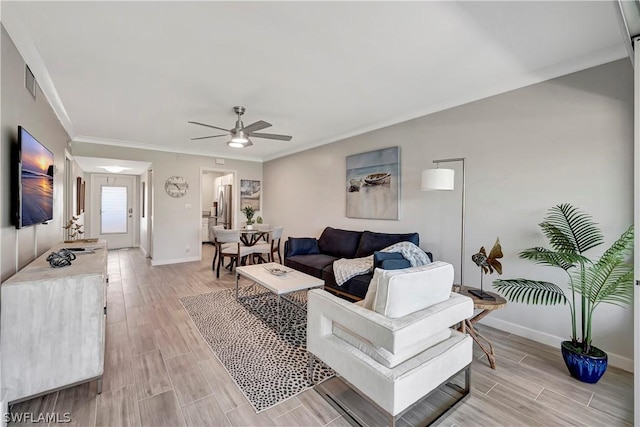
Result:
[240,133]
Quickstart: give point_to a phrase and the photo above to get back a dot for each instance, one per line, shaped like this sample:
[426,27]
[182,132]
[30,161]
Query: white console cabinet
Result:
[53,324]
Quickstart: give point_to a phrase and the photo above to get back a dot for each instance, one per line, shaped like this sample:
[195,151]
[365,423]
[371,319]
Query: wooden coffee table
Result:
[487,306]
[284,286]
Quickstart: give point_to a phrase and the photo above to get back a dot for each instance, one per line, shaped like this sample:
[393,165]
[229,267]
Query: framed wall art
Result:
[373,184]
[83,196]
[250,193]
[80,189]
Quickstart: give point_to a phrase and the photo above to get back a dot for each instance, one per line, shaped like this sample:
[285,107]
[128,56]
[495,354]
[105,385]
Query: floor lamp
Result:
[442,179]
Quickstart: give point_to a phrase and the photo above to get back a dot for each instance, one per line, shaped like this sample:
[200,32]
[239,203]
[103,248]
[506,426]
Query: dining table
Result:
[251,237]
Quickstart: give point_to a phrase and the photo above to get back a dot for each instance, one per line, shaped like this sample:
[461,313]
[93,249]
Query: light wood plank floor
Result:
[160,372]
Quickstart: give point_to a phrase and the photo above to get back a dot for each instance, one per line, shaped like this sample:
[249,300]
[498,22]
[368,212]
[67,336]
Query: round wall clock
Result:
[176,186]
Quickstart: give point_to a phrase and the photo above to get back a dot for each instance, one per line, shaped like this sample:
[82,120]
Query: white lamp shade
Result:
[437,179]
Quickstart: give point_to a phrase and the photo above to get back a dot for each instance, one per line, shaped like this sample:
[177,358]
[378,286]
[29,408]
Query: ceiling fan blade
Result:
[260,124]
[209,126]
[248,144]
[205,137]
[272,136]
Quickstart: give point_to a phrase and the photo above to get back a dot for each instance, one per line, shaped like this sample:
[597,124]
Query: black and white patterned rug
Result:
[267,366]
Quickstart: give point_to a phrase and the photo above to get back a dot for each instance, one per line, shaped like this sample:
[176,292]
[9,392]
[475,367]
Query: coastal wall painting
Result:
[250,194]
[373,184]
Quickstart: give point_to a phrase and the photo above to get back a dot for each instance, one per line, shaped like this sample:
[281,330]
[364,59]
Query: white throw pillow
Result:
[402,292]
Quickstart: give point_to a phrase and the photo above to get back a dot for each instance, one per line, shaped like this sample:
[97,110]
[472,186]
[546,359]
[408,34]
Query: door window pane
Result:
[113,207]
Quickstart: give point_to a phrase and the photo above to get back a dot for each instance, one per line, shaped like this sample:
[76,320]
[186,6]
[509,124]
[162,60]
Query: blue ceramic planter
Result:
[588,369]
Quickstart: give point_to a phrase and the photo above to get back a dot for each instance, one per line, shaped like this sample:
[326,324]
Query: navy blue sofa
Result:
[315,256]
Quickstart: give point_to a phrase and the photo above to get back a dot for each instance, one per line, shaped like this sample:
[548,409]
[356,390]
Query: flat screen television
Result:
[35,181]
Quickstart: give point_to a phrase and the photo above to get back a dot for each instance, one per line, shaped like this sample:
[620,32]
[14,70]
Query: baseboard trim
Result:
[615,360]
[155,262]
[146,255]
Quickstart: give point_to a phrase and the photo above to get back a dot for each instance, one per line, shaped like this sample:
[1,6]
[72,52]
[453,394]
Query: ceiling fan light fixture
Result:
[240,137]
[240,134]
[235,144]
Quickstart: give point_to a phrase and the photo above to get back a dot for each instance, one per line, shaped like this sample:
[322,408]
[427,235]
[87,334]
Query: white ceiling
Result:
[134,73]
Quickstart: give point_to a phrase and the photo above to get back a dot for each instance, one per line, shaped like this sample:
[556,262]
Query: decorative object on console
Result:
[259,220]
[176,186]
[443,179]
[62,258]
[74,229]
[373,184]
[487,264]
[607,280]
[250,194]
[248,211]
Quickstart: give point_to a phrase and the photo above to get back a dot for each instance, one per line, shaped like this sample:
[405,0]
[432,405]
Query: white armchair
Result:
[401,345]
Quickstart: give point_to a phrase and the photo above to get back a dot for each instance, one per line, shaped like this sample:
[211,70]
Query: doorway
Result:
[114,209]
[211,181]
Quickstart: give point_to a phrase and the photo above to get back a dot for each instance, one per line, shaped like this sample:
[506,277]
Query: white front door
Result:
[115,198]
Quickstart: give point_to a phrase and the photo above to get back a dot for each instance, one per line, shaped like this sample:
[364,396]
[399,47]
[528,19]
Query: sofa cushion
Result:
[402,292]
[371,242]
[339,243]
[356,286]
[310,264]
[303,246]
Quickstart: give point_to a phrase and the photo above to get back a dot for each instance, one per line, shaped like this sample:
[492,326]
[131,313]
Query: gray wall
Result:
[176,222]
[19,247]
[565,140]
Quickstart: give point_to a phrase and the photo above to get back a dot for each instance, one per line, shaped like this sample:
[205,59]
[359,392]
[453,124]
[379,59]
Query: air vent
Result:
[30,81]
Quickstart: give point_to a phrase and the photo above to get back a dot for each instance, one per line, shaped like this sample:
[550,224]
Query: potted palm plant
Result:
[607,280]
[249,212]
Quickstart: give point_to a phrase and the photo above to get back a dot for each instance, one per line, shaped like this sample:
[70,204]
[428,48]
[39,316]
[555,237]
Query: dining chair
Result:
[271,247]
[228,245]
[212,239]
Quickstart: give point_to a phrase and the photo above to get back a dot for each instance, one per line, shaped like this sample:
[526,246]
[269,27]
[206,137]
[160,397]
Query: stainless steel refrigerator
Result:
[225,206]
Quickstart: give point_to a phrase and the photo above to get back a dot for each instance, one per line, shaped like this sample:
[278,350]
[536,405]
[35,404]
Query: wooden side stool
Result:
[487,306]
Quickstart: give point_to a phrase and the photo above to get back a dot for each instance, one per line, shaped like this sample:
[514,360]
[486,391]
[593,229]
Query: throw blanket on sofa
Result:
[344,269]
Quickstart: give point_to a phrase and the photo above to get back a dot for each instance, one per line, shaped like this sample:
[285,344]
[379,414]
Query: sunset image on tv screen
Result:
[36,181]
